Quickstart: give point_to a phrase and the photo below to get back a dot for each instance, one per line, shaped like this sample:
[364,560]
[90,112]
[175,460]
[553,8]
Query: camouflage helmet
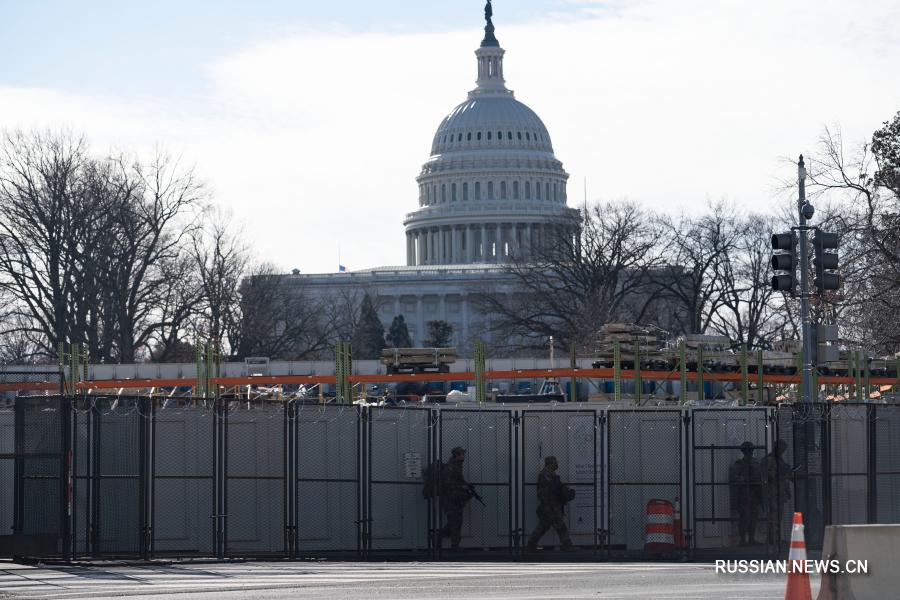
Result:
[550,460]
[747,447]
[457,451]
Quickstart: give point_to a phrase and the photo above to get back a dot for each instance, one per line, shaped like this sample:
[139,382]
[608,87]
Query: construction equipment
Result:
[418,360]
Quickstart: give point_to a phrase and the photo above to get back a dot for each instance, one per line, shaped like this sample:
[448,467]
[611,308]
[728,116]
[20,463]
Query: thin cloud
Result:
[315,140]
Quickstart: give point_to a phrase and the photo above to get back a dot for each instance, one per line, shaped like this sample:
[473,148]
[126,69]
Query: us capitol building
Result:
[491,188]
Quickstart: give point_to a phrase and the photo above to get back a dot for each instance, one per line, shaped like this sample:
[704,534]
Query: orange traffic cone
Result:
[798,579]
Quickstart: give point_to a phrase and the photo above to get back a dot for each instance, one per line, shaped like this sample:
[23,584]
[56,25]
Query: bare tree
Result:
[220,260]
[278,319]
[747,308]
[701,248]
[578,280]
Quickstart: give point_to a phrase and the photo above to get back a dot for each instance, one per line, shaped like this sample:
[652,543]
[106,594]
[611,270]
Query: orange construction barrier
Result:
[660,528]
[798,587]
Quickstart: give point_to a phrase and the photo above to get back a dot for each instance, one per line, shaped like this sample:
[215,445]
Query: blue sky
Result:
[310,120]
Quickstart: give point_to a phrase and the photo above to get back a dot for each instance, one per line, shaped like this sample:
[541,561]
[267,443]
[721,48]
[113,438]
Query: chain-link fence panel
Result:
[255,510]
[644,463]
[848,462]
[801,427]
[487,519]
[83,469]
[730,498]
[329,505]
[120,447]
[7,467]
[886,445]
[39,447]
[398,450]
[568,510]
[183,517]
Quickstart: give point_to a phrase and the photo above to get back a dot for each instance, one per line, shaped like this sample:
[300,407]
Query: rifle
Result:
[475,495]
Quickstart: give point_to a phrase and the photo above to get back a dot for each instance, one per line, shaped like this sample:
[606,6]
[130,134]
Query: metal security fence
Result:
[644,462]
[109,477]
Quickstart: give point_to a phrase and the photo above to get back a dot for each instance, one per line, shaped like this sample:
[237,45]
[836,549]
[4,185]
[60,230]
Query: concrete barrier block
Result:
[877,544]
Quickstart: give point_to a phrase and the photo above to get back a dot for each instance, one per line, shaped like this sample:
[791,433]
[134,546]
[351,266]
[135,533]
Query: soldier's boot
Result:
[531,546]
[566,544]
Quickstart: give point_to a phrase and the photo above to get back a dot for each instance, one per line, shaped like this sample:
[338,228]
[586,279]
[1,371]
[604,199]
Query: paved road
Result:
[406,581]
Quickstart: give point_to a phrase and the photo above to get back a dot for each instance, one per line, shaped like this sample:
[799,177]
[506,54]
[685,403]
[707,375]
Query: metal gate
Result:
[487,437]
[34,457]
[885,463]
[729,505]
[328,507]
[255,511]
[644,462]
[183,516]
[396,517]
[573,437]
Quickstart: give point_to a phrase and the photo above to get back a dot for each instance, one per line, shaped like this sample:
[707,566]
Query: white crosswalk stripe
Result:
[24,582]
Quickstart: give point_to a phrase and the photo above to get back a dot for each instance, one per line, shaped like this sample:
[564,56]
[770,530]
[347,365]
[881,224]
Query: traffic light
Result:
[825,262]
[785,259]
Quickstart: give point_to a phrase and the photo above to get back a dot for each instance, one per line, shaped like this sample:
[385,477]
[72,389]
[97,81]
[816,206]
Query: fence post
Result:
[638,382]
[66,477]
[682,360]
[872,464]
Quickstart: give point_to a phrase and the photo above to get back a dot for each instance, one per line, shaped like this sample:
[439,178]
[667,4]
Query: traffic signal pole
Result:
[806,323]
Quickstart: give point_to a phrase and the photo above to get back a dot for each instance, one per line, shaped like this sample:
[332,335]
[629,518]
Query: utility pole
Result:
[805,210]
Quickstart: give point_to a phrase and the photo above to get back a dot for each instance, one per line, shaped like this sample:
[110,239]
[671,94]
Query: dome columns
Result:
[490,242]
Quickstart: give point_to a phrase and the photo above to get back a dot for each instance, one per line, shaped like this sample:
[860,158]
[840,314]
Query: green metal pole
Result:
[638,382]
[617,372]
[745,377]
[574,384]
[682,359]
[799,363]
[479,372]
[760,374]
[859,376]
[867,394]
[61,357]
[701,393]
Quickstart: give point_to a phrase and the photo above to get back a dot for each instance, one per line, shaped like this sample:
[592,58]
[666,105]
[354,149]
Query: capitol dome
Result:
[492,187]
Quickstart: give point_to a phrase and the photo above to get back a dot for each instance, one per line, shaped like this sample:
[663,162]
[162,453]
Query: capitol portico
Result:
[491,189]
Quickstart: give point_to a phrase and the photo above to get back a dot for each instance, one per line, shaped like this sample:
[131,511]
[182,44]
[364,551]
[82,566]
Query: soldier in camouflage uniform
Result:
[777,476]
[745,478]
[455,495]
[552,499]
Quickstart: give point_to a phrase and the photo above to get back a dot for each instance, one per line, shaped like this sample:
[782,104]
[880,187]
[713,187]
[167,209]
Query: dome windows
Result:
[478,135]
[528,136]
[515,190]
[453,192]
[509,135]
[459,138]
[478,190]
[469,137]
[503,190]
[465,192]
[528,190]
[520,136]
[490,190]
[537,190]
[489,135]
